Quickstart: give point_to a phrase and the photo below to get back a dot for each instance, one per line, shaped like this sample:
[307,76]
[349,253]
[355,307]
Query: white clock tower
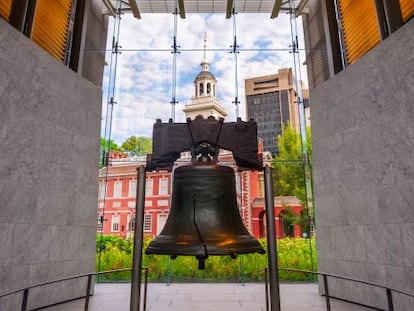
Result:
[204,102]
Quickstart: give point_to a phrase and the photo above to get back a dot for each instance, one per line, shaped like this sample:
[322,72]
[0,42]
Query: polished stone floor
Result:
[207,297]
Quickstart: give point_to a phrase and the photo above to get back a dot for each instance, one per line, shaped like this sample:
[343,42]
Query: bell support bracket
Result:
[201,136]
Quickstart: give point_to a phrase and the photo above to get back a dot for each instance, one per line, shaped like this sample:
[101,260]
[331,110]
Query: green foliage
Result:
[292,253]
[137,145]
[108,144]
[287,165]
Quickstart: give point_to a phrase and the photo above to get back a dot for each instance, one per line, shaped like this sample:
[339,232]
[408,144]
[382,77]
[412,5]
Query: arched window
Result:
[201,89]
[208,88]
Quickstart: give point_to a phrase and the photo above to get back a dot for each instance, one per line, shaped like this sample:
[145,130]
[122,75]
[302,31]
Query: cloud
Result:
[143,83]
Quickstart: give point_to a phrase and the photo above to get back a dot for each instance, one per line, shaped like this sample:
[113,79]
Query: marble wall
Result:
[49,138]
[363,149]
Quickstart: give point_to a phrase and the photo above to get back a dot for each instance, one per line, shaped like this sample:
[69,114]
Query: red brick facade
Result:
[116,206]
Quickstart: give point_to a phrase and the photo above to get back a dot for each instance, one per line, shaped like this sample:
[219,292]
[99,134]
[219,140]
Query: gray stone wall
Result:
[49,138]
[363,149]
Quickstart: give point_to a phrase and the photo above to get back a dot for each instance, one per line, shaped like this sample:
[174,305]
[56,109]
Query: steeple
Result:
[204,63]
[204,102]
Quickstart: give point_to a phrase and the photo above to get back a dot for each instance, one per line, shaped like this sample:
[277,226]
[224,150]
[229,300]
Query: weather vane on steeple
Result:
[204,63]
[205,44]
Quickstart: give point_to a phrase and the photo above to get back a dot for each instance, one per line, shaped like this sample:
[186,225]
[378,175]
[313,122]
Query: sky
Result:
[140,79]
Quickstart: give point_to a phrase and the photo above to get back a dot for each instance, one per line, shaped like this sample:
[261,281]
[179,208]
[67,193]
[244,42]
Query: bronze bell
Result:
[204,218]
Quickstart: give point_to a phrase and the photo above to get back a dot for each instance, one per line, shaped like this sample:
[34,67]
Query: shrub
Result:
[295,253]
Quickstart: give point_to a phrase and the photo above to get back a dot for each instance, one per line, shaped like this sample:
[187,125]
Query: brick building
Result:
[117,197]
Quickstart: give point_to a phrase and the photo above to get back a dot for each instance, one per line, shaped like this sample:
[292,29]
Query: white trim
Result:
[159,222]
[149,187]
[114,222]
[117,189]
[132,188]
[163,186]
[102,190]
[147,221]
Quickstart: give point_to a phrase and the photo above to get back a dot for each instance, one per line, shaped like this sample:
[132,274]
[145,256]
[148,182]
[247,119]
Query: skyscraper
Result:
[271,102]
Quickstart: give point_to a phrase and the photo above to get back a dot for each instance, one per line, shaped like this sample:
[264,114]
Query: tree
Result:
[289,176]
[137,145]
[106,146]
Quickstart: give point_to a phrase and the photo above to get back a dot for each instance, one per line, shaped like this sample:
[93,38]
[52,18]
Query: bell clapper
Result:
[201,262]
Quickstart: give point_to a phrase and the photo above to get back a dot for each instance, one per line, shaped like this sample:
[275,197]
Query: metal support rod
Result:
[271,241]
[241,270]
[138,237]
[25,298]
[88,292]
[266,289]
[325,285]
[168,270]
[144,307]
[389,300]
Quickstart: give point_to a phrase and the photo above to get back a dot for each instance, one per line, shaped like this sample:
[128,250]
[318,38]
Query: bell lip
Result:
[160,247]
[201,253]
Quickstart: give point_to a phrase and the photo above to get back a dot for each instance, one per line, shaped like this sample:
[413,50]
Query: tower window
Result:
[201,88]
[208,88]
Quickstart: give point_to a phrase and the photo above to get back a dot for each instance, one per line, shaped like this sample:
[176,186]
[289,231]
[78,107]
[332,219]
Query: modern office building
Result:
[50,111]
[360,59]
[272,102]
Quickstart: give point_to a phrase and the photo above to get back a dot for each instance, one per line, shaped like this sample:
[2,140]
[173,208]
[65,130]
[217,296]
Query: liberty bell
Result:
[204,218]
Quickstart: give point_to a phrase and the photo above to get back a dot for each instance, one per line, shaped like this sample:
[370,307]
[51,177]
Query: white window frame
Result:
[163,186]
[117,189]
[131,223]
[115,221]
[133,188]
[147,223]
[163,202]
[102,190]
[99,226]
[149,187]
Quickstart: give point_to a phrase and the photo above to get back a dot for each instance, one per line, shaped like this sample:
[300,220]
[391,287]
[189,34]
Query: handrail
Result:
[400,291]
[388,290]
[62,279]
[26,289]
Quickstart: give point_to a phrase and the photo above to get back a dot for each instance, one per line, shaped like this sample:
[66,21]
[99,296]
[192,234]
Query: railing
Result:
[388,290]
[26,290]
